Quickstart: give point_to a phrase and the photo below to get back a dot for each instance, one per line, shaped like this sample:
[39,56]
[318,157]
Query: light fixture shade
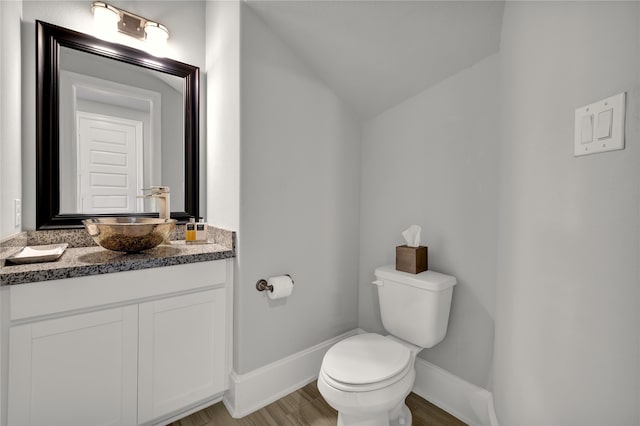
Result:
[105,19]
[157,35]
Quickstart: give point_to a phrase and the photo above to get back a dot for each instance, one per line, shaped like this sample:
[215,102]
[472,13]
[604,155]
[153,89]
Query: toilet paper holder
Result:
[262,284]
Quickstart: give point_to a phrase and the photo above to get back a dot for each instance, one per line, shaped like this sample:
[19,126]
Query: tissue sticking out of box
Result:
[412,235]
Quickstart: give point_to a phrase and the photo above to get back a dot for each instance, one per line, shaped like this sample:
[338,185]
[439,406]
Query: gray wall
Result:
[186,23]
[567,347]
[10,115]
[299,197]
[433,161]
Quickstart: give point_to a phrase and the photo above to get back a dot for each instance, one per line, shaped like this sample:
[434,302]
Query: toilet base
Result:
[400,416]
[381,407]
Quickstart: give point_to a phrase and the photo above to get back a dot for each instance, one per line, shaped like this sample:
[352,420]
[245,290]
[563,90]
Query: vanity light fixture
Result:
[105,18]
[157,35]
[110,19]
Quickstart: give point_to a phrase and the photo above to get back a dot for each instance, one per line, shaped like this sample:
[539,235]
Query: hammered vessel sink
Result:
[129,234]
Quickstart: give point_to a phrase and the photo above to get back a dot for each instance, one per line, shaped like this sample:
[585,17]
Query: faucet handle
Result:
[157,189]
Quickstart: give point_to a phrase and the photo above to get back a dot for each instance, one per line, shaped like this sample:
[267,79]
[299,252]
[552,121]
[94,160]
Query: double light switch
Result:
[599,127]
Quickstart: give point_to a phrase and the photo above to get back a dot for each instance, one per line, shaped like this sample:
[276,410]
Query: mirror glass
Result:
[121,130]
[112,121]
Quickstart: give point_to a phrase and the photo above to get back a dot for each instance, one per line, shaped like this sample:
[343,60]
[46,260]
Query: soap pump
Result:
[201,232]
[190,233]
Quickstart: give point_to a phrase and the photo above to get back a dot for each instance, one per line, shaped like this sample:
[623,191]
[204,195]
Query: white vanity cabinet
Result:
[181,352]
[129,348]
[77,370]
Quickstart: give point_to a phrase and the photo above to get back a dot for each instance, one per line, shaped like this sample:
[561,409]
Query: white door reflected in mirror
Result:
[109,164]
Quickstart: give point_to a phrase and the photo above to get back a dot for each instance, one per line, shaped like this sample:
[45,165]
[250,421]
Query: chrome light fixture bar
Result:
[108,16]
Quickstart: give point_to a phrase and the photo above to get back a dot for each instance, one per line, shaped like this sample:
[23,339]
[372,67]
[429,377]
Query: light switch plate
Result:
[600,143]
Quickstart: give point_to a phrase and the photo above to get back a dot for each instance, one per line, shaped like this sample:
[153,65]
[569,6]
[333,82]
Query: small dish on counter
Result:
[38,254]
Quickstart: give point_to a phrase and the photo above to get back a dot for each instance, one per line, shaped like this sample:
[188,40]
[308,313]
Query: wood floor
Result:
[305,407]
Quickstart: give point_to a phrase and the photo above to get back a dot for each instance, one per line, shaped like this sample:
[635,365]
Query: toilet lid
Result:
[365,358]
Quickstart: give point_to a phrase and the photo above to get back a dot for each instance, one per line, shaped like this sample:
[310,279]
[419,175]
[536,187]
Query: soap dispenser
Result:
[190,233]
[201,232]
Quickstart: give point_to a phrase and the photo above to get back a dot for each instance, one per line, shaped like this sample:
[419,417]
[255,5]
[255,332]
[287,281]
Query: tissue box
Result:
[411,259]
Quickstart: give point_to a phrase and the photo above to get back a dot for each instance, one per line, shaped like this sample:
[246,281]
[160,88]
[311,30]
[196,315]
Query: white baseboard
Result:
[466,401]
[251,391]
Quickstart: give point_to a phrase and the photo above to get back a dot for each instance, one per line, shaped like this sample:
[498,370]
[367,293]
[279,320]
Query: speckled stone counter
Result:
[80,261]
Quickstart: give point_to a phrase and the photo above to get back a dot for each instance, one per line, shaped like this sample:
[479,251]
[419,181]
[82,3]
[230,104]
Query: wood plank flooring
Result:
[306,407]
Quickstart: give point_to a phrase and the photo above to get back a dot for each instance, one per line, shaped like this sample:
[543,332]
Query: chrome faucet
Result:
[160,193]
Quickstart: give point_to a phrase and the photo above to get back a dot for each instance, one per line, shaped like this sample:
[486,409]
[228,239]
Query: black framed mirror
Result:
[75,179]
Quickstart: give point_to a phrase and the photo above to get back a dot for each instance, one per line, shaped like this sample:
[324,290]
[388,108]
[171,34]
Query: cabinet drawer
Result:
[52,297]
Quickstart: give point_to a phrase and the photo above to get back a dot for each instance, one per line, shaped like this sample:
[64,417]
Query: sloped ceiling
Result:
[375,54]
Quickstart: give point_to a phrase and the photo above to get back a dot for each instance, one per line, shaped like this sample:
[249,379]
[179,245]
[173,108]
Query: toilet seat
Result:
[365,362]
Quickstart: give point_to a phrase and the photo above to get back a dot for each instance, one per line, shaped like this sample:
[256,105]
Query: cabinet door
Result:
[181,352]
[78,370]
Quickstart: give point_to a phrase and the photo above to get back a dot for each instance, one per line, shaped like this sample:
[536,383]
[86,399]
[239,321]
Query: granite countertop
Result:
[94,260]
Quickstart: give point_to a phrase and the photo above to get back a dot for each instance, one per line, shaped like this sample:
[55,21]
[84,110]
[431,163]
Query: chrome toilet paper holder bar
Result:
[262,284]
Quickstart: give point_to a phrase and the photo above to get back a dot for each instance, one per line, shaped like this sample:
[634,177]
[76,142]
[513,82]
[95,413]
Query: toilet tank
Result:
[415,307]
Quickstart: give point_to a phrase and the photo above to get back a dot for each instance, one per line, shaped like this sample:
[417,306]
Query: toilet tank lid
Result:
[428,280]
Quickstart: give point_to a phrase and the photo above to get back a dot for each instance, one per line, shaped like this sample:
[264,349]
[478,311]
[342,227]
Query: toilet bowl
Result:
[367,377]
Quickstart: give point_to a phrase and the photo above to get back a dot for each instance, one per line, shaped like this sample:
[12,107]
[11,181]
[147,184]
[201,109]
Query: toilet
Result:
[367,377]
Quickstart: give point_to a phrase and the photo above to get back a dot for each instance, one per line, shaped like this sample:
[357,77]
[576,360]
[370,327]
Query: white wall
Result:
[10,150]
[299,199]
[567,347]
[186,23]
[10,115]
[223,114]
[433,161]
[2,202]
